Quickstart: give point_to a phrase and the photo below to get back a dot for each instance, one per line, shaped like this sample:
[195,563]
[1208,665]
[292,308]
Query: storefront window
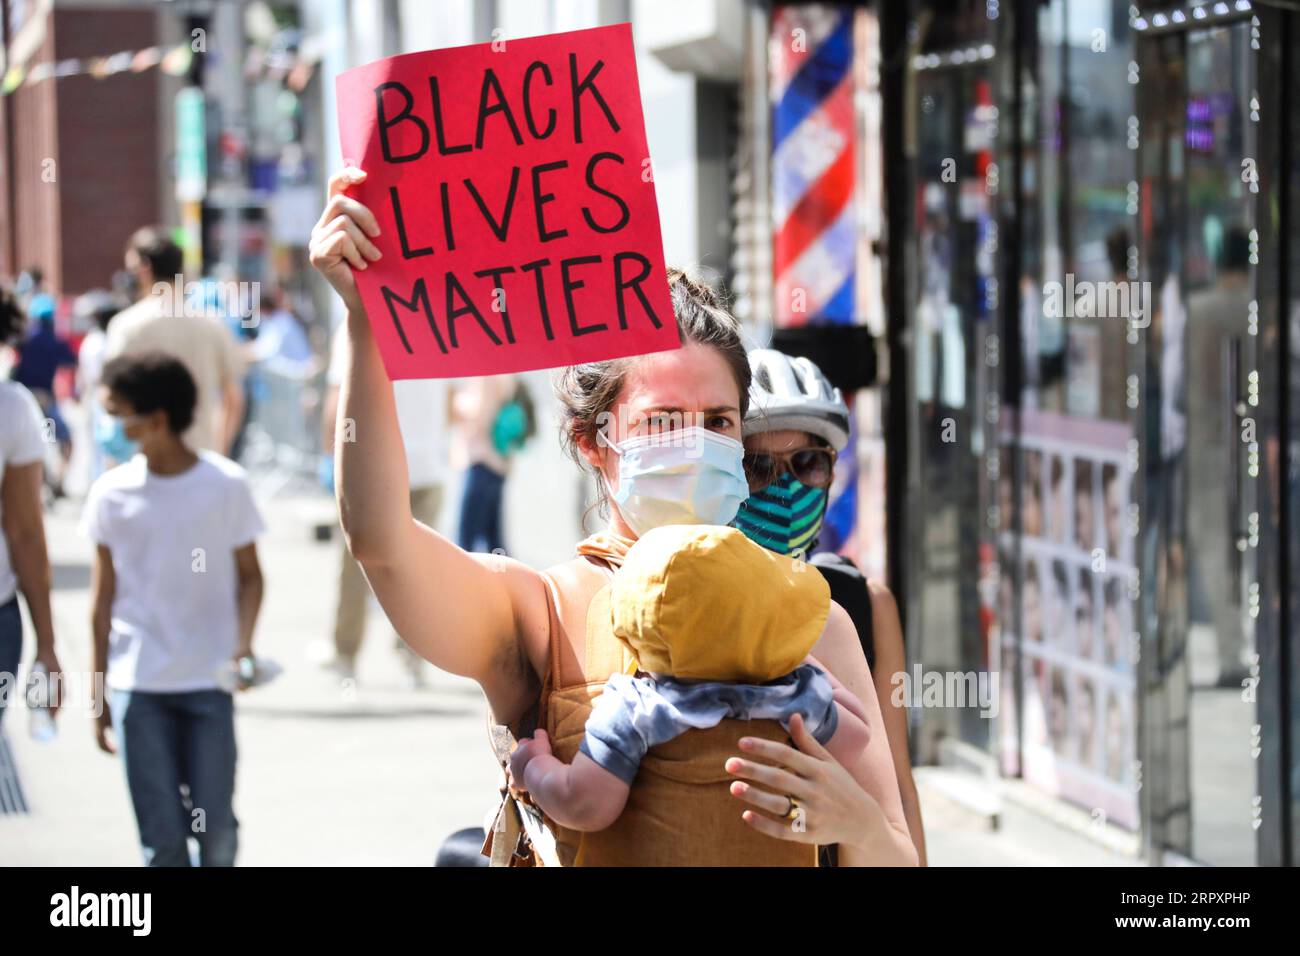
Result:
[1072,563]
[1135,512]
[955,300]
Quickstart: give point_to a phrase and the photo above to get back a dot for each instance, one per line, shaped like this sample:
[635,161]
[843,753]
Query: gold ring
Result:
[794,807]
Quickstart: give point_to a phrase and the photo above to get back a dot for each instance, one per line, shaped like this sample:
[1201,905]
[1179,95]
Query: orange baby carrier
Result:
[680,811]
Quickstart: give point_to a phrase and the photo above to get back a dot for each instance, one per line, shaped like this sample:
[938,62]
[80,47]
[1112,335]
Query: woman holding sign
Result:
[519,632]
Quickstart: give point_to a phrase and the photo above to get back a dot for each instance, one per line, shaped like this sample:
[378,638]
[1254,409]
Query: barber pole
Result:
[813,164]
[814,170]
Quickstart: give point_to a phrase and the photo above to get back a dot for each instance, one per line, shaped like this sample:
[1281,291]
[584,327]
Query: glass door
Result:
[954,308]
[1210,400]
[1221,384]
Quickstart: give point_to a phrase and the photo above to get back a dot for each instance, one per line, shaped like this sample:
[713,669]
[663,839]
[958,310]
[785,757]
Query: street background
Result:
[378,772]
[1100,506]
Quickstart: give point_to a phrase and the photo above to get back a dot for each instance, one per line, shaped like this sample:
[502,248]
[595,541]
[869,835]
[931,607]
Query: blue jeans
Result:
[480,510]
[11,647]
[166,740]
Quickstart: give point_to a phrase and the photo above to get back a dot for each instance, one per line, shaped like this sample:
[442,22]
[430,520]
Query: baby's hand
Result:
[525,750]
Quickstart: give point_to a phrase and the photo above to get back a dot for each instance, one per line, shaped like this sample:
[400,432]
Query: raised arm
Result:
[482,618]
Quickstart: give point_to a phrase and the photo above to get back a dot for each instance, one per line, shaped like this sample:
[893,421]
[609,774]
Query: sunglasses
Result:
[813,467]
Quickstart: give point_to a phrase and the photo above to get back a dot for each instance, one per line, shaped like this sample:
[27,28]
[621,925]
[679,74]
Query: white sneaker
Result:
[343,670]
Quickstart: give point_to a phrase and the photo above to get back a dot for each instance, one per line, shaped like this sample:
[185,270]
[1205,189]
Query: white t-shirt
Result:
[421,417]
[173,539]
[21,443]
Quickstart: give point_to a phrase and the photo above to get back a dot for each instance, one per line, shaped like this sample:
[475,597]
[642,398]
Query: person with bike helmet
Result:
[796,426]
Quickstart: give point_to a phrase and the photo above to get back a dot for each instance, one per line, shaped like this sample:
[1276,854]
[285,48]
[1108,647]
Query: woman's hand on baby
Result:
[832,806]
[341,239]
[525,751]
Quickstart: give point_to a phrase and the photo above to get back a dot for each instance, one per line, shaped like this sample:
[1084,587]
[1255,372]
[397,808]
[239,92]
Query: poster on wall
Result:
[1078,719]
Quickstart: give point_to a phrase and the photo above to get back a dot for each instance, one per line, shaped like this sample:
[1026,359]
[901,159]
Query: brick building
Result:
[82,159]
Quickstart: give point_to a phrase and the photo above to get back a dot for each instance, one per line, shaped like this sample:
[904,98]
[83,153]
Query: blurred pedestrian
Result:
[31,282]
[423,419]
[493,420]
[40,356]
[176,592]
[231,303]
[202,343]
[280,359]
[796,425]
[1214,315]
[282,342]
[24,562]
[97,308]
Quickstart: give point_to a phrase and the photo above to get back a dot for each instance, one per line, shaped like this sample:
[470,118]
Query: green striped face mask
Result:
[784,517]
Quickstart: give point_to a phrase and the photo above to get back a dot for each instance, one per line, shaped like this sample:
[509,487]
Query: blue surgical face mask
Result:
[685,476]
[110,435]
[784,517]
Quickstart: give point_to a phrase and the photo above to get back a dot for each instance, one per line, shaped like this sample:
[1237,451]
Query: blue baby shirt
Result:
[634,714]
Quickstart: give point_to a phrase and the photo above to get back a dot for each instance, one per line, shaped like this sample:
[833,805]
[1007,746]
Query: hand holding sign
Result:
[339,240]
[503,221]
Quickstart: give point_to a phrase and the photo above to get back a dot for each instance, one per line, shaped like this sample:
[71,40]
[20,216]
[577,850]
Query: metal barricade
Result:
[282,438]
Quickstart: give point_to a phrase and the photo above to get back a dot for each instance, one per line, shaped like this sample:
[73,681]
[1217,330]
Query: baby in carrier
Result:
[720,628]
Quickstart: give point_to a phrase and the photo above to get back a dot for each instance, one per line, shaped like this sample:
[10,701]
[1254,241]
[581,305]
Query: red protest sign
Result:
[517,213]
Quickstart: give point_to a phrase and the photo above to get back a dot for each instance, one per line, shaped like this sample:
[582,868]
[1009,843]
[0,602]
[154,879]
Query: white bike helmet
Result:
[792,393]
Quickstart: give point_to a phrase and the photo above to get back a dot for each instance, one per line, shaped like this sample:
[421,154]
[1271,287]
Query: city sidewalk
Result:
[1026,830]
[378,773]
[328,774]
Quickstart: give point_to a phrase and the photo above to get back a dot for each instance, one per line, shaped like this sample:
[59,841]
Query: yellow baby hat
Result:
[705,602]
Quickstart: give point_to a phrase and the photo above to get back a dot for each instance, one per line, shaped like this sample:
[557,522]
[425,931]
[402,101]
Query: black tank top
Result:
[849,590]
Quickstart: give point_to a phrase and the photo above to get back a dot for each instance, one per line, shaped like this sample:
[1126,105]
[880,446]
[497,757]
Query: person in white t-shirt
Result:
[176,591]
[24,564]
[423,417]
